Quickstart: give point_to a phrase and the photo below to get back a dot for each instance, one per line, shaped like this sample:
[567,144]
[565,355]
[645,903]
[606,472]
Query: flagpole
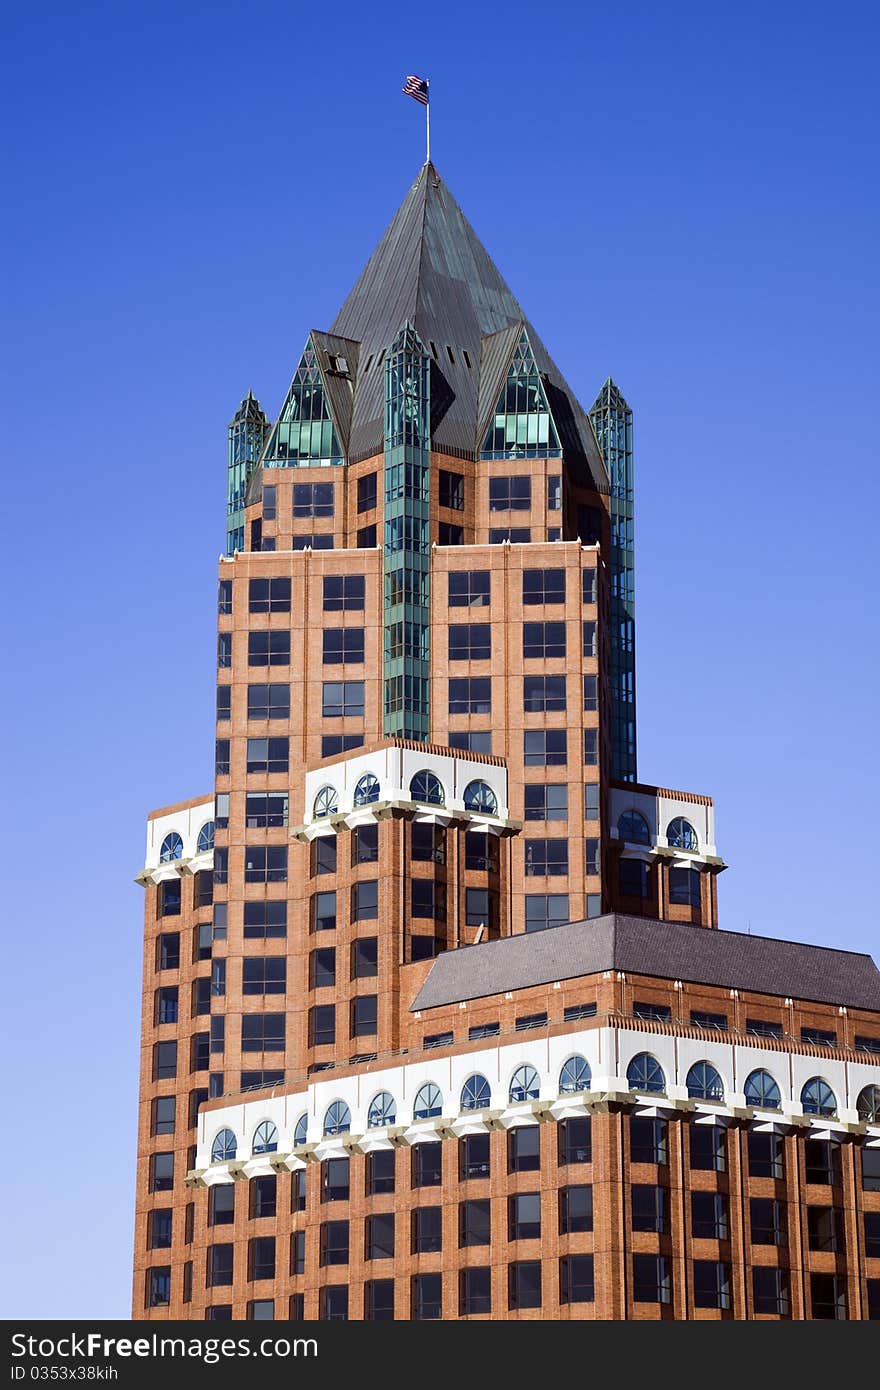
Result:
[428,122]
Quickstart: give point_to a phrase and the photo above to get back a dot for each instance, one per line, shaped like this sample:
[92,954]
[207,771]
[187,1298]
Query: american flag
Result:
[416,87]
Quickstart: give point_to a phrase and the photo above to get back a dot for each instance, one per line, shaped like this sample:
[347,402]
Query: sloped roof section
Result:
[642,946]
[431,269]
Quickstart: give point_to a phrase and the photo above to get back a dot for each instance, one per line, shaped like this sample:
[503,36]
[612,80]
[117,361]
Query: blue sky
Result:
[680,195]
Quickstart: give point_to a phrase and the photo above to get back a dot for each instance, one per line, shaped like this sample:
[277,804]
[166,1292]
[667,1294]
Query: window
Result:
[165,1060]
[169,898]
[364,1011]
[828,1296]
[200,1052]
[335,1180]
[543,693]
[326,803]
[544,586]
[449,534]
[261,1257]
[426,1223]
[266,863]
[331,744]
[312,499]
[473,1157]
[524,1284]
[554,492]
[572,1012]
[709,1216]
[268,702]
[545,747]
[591,692]
[269,596]
[323,855]
[868,1104]
[708,1148]
[221,1205]
[427,788]
[334,1243]
[763,1028]
[474,1291]
[770,1290]
[437,1040]
[343,593]
[575,1076]
[161,1172]
[219,1265]
[300,1131]
[224,596]
[269,648]
[267,755]
[633,828]
[469,589]
[711,1284]
[588,586]
[379,1237]
[704,1083]
[645,1074]
[366,790]
[470,740]
[576,1279]
[591,747]
[322,968]
[224,650]
[337,1118]
[474,1222]
[633,878]
[524,1149]
[265,920]
[451,490]
[364,958]
[428,1102]
[818,1098]
[762,1091]
[516,535]
[427,1165]
[312,543]
[261,1309]
[591,801]
[427,1296]
[264,975]
[343,646]
[680,834]
[365,901]
[647,1140]
[166,1006]
[470,695]
[766,1155]
[543,640]
[480,852]
[367,538]
[333,1303]
[575,1209]
[866,1044]
[162,1115]
[589,644]
[427,843]
[546,801]
[546,858]
[323,907]
[525,1083]
[480,798]
[649,1208]
[872,1234]
[265,810]
[825,1229]
[379,1300]
[262,1033]
[224,702]
[546,910]
[684,887]
[158,1286]
[870,1170]
[159,1229]
[367,492]
[524,1216]
[263,1193]
[574,1141]
[470,641]
[510,494]
[767,1221]
[365,844]
[701,1019]
[322,1025]
[652,1279]
[380,1170]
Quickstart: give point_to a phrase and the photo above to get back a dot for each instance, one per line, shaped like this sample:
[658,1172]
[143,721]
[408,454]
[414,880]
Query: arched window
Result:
[225,1147]
[680,834]
[428,1102]
[337,1119]
[868,1105]
[633,828]
[326,803]
[367,790]
[428,788]
[265,1138]
[525,1084]
[479,796]
[645,1073]
[575,1076]
[762,1091]
[704,1083]
[206,838]
[476,1093]
[382,1111]
[172,848]
[817,1097]
[300,1130]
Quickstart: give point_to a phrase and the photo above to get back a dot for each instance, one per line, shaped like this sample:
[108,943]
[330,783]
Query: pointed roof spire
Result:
[431,269]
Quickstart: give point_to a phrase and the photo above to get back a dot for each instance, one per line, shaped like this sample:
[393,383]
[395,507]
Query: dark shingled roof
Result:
[431,269]
[642,946]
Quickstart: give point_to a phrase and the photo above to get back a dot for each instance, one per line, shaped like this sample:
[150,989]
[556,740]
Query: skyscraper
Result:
[426,742]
